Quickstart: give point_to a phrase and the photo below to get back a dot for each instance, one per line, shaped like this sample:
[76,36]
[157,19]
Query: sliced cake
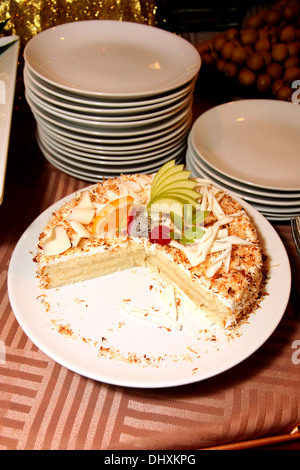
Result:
[189,232]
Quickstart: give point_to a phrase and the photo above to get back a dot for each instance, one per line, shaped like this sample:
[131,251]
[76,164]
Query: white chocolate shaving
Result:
[131,188]
[111,195]
[85,201]
[214,240]
[215,265]
[168,298]
[82,215]
[154,316]
[56,242]
[81,232]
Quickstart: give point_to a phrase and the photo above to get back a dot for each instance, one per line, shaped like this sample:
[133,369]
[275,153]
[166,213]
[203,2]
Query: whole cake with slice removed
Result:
[190,233]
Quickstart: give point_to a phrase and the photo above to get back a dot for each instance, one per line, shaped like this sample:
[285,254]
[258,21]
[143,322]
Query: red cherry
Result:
[130,218]
[160,234]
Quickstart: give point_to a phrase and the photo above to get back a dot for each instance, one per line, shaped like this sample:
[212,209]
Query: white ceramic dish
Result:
[90,175]
[87,140]
[112,58]
[255,142]
[92,311]
[8,70]
[122,147]
[105,106]
[95,121]
[132,131]
[275,196]
[115,159]
[269,198]
[94,172]
[99,117]
[270,211]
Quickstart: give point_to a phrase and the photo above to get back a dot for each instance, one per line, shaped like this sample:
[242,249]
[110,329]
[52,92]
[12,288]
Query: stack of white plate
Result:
[110,97]
[252,148]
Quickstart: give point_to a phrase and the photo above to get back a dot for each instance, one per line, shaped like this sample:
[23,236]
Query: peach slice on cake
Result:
[113,216]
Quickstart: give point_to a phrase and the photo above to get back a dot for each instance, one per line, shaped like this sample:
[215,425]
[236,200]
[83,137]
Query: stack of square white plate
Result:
[251,147]
[110,97]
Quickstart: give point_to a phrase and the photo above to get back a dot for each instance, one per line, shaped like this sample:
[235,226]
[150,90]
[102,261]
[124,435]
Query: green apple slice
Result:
[160,177]
[184,192]
[172,185]
[175,177]
[167,204]
[167,179]
[186,199]
[166,167]
[180,184]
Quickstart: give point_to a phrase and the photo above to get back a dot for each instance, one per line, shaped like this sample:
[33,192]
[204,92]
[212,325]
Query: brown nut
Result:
[291,74]
[263,83]
[227,49]
[255,61]
[230,70]
[249,36]
[292,61]
[287,34]
[218,41]
[274,70]
[262,44]
[255,21]
[239,55]
[246,77]
[279,52]
[284,93]
[276,85]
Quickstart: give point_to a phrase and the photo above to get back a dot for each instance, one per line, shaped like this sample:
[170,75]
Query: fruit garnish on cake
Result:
[113,215]
[174,193]
[172,188]
[190,233]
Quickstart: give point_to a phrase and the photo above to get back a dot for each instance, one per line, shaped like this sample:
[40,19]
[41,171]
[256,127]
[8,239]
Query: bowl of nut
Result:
[262,58]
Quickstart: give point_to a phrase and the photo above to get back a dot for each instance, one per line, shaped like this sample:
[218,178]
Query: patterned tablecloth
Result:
[43,405]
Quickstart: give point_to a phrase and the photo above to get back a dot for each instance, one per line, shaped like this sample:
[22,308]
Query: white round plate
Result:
[270,198]
[119,165]
[238,186]
[96,171]
[105,106]
[152,145]
[252,141]
[110,131]
[115,159]
[112,58]
[138,354]
[282,213]
[91,176]
[95,121]
[104,139]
